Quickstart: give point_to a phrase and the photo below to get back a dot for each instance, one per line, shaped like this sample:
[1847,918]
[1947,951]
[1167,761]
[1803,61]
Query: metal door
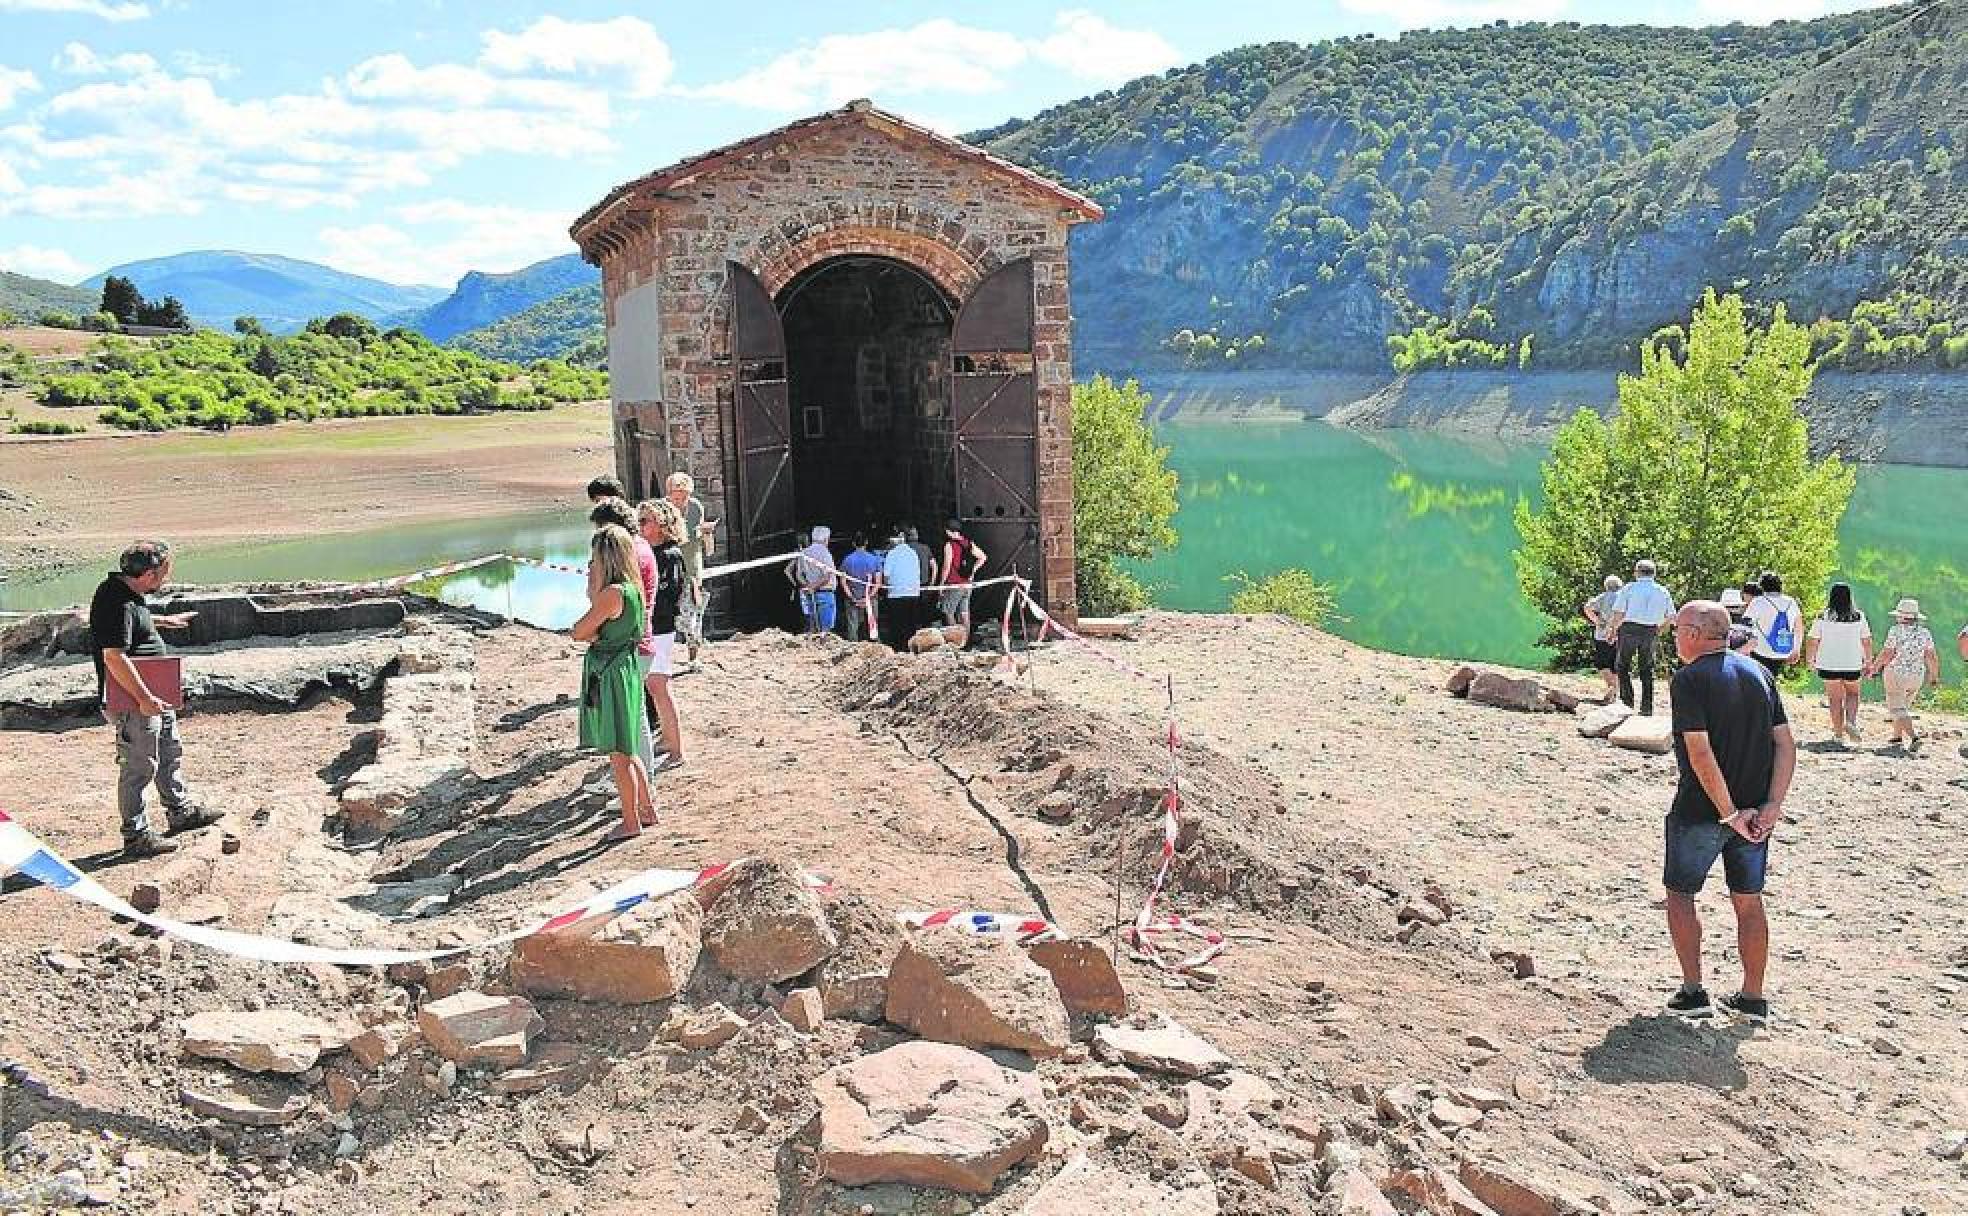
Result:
[761,419]
[995,407]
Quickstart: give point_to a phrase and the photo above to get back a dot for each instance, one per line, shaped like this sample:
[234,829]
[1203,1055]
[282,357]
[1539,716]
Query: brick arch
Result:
[955,269]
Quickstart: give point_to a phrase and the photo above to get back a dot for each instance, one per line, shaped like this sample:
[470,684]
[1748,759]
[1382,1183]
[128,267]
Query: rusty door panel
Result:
[994,401]
[760,417]
[998,315]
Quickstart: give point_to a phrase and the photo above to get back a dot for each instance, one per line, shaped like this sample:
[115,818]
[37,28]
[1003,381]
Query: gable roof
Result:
[862,112]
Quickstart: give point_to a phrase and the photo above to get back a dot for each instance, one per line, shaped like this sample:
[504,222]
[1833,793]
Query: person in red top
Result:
[617,511]
[962,559]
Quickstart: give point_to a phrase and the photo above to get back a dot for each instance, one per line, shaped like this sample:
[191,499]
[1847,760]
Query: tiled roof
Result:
[853,111]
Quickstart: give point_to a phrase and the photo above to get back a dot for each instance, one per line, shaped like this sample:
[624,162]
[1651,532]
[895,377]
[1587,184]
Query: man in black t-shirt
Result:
[121,627]
[1733,745]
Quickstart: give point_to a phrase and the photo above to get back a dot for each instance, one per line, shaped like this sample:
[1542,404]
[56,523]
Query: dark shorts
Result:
[1691,852]
[1603,655]
[1773,666]
[1837,675]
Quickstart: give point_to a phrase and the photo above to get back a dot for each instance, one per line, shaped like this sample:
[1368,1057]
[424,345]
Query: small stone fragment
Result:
[476,1028]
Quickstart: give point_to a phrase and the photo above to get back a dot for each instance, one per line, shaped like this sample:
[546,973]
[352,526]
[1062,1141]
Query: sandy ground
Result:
[1348,774]
[73,499]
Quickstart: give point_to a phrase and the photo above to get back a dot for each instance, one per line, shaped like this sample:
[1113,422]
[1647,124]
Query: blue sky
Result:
[419,139]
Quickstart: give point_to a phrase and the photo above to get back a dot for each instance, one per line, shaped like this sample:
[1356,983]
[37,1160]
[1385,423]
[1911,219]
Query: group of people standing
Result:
[645,587]
[1766,625]
[905,586]
[1733,745]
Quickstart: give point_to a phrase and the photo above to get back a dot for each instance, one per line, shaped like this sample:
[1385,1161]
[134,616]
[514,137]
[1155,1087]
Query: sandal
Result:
[621,835]
[648,821]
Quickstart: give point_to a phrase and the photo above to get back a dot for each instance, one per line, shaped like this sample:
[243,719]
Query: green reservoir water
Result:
[1414,530]
[1413,527]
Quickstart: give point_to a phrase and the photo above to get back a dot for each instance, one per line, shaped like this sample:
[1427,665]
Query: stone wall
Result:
[847,188]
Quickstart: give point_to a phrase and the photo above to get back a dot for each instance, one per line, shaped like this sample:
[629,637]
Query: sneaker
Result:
[150,844]
[1752,1009]
[1691,1004]
[191,817]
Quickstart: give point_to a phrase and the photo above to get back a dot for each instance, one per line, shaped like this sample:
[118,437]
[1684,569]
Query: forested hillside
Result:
[1300,204]
[482,298]
[24,298]
[1842,194]
[566,326]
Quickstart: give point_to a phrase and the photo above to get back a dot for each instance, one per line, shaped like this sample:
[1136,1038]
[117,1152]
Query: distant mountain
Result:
[481,299]
[1297,204]
[566,326]
[1845,184]
[284,293]
[27,298]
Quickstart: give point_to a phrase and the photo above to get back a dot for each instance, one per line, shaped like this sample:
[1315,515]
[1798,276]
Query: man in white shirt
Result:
[1640,609]
[901,590]
[1778,623]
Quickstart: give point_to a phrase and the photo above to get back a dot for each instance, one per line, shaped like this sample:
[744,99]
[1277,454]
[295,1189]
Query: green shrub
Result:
[1293,593]
[41,426]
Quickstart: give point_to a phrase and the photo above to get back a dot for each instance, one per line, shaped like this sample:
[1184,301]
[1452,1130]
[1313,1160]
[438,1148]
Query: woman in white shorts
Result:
[662,526]
[1908,660]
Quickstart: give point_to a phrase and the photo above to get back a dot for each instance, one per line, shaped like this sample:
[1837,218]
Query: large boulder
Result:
[1603,720]
[271,1040]
[1508,692]
[477,1028]
[927,1114]
[1166,1046]
[765,923]
[1459,680]
[1086,1189]
[976,992]
[1645,733]
[1083,972]
[645,954]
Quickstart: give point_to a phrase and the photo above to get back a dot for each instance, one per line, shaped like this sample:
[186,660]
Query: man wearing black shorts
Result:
[1733,745]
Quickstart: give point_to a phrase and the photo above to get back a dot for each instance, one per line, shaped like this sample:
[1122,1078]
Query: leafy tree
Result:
[121,299]
[167,313]
[1706,469]
[248,325]
[1123,493]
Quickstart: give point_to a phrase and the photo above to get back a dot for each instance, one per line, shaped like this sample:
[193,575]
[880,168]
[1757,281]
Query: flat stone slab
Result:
[645,954]
[268,1040]
[976,991]
[478,1028]
[1168,1047]
[1653,734]
[262,672]
[927,1114]
[249,1105]
[1602,720]
[1086,1189]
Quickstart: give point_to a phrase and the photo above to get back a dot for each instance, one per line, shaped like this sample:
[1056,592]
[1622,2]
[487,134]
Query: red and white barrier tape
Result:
[1026,929]
[23,852]
[1147,925]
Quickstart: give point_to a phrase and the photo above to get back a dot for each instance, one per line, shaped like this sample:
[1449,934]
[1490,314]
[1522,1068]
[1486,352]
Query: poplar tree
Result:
[1123,494]
[1706,469]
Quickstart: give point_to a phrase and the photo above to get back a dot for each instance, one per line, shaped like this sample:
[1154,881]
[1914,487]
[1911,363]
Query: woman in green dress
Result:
[611,684]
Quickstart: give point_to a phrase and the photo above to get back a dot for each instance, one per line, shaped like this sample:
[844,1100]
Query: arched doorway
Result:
[867,344]
[867,399]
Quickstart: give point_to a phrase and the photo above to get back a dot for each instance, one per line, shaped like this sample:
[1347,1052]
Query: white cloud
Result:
[108,10]
[14,82]
[450,237]
[158,141]
[77,59]
[1441,14]
[940,56]
[197,63]
[1091,48]
[42,263]
[625,47]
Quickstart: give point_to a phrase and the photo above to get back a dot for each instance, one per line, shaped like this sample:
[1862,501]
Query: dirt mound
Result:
[1045,759]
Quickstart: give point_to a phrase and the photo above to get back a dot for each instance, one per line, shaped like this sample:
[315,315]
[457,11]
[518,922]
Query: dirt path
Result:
[1550,843]
[1328,786]
[71,500]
